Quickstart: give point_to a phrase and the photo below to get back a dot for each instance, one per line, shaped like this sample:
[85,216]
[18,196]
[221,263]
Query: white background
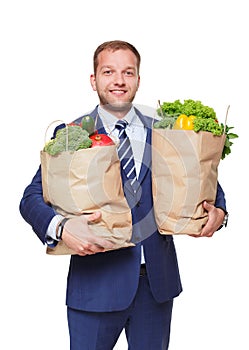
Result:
[190,49]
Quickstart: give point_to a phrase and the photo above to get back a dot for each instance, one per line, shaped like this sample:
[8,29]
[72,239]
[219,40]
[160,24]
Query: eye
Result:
[129,73]
[107,72]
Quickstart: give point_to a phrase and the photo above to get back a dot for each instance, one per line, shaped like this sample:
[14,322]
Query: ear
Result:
[93,82]
[138,82]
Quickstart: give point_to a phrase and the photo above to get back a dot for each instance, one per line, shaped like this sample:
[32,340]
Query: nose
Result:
[119,78]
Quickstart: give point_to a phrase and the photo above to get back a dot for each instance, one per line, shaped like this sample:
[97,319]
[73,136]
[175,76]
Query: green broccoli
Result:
[70,138]
[165,122]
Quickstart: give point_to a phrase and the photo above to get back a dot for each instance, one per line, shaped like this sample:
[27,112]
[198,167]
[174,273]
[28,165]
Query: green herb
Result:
[228,142]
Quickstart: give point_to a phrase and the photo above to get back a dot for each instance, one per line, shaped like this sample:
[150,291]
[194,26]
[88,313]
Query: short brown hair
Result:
[115,45]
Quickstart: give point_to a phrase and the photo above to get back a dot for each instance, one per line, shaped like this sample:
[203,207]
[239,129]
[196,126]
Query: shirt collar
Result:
[109,120]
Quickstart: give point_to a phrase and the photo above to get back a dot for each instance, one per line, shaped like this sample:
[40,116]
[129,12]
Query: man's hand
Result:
[215,219]
[77,235]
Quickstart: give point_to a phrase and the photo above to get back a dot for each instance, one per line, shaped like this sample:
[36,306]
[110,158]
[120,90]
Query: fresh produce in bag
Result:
[188,143]
[81,175]
[193,115]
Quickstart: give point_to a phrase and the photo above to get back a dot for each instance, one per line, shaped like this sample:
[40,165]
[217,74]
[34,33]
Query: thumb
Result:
[207,206]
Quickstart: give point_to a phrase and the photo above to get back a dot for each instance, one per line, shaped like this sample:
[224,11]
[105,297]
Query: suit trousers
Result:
[146,324]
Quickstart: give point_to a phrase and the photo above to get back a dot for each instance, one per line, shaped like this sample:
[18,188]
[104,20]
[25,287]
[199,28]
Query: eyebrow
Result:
[111,67]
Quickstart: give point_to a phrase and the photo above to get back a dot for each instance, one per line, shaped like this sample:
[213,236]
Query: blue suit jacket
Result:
[108,281]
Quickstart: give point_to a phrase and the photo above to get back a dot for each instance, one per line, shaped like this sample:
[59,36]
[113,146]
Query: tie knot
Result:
[121,124]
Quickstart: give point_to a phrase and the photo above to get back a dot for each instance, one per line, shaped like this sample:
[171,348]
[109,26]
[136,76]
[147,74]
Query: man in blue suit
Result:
[131,288]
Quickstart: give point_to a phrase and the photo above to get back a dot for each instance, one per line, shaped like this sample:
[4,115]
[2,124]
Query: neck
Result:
[118,111]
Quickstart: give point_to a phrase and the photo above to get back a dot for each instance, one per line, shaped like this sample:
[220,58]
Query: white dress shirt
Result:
[135,130]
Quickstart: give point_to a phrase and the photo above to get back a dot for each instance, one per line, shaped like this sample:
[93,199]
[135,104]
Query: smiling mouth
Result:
[118,92]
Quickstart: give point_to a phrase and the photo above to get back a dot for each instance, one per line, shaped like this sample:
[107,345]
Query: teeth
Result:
[118,91]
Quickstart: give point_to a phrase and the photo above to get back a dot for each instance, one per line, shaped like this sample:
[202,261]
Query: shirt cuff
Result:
[51,231]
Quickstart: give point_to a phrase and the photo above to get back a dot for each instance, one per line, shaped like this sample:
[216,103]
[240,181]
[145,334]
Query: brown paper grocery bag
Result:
[184,174]
[85,181]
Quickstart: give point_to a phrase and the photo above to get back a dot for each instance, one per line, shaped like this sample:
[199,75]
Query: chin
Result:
[118,106]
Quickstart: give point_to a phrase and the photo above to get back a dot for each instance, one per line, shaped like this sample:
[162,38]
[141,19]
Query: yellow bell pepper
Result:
[183,122]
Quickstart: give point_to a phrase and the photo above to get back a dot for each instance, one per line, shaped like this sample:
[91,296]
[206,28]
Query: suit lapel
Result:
[146,162]
[98,122]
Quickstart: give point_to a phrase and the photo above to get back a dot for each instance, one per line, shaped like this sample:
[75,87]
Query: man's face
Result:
[116,80]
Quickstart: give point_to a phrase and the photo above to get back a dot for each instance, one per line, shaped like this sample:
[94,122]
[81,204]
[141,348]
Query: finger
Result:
[195,236]
[89,249]
[206,232]
[102,244]
[84,250]
[93,216]
[208,235]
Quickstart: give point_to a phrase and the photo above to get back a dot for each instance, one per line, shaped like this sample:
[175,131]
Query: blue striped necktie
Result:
[125,151]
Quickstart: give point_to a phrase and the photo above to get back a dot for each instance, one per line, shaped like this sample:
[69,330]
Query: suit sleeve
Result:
[220,201]
[33,208]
